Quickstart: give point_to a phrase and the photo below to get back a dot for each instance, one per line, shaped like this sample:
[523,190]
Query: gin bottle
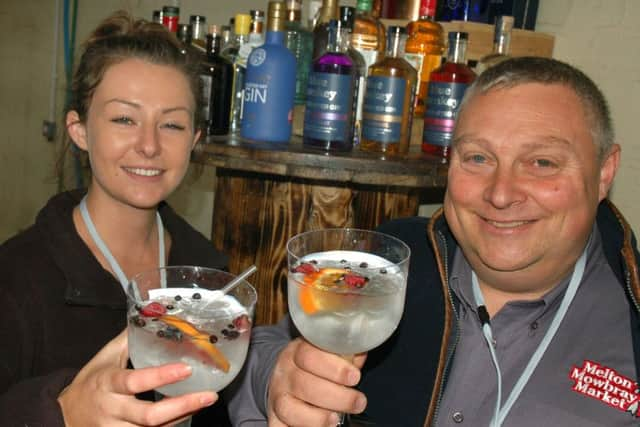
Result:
[501,44]
[232,53]
[388,103]
[347,19]
[217,78]
[446,89]
[368,35]
[424,50]
[300,42]
[328,118]
[270,84]
[327,12]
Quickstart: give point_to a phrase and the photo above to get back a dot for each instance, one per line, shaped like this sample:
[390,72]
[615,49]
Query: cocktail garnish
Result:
[153,309]
[305,268]
[316,293]
[199,339]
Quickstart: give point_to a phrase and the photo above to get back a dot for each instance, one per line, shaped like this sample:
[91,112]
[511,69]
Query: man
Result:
[522,297]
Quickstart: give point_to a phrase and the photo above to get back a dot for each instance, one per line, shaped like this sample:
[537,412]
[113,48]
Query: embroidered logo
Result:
[605,384]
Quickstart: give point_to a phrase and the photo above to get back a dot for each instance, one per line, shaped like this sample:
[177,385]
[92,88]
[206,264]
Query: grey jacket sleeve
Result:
[247,395]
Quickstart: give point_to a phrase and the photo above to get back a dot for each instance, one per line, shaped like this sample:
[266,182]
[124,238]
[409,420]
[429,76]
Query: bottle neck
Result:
[364,6]
[502,43]
[274,37]
[338,40]
[213,45]
[457,51]
[395,49]
[328,11]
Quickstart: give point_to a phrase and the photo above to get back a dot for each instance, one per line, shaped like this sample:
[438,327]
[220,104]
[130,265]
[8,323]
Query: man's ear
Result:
[608,171]
[76,130]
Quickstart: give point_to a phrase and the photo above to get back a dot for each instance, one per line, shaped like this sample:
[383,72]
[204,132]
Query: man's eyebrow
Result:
[538,142]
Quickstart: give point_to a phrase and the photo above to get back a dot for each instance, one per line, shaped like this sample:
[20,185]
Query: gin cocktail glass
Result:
[181,314]
[346,287]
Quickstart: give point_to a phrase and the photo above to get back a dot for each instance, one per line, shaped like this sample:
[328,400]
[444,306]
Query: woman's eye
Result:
[174,126]
[124,120]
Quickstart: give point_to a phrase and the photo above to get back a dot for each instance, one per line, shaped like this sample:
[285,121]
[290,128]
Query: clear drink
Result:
[346,302]
[187,320]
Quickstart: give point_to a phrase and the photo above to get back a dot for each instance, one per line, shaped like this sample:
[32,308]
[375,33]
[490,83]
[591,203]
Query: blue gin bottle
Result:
[328,116]
[270,84]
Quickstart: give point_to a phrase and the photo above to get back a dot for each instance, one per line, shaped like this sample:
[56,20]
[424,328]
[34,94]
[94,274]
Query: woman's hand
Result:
[310,386]
[103,392]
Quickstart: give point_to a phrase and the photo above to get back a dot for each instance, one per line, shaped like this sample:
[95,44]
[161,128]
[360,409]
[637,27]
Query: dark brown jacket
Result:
[59,307]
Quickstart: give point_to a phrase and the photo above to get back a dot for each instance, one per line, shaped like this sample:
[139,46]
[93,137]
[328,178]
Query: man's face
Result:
[524,185]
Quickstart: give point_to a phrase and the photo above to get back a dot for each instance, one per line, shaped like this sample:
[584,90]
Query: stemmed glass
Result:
[346,288]
[181,314]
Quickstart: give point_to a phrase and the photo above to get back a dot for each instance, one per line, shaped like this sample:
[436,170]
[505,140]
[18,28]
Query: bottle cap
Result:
[214,29]
[197,19]
[170,11]
[396,30]
[242,24]
[504,23]
[276,16]
[365,5]
[184,33]
[347,16]
[457,35]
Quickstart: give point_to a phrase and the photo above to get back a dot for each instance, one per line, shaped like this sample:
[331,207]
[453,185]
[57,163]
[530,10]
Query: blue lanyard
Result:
[572,289]
[122,278]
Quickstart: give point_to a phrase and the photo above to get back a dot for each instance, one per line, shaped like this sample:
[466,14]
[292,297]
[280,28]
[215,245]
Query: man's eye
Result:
[476,158]
[124,120]
[544,163]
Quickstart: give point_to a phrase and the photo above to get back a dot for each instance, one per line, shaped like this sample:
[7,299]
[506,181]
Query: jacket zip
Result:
[452,348]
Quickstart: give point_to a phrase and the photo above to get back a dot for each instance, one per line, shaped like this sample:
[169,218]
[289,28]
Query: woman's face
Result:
[139,133]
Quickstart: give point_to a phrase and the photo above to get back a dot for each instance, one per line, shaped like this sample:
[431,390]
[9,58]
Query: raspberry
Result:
[355,281]
[242,323]
[305,268]
[153,309]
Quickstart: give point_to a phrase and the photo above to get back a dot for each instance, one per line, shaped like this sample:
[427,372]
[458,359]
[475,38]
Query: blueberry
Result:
[196,296]
[232,335]
[160,334]
[213,339]
[383,271]
[170,307]
[177,298]
[224,332]
[343,261]
[364,265]
[230,326]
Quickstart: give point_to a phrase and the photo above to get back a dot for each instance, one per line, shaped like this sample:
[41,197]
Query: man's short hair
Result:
[528,69]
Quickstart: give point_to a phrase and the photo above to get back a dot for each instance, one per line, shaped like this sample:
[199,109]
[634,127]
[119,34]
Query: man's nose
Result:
[503,189]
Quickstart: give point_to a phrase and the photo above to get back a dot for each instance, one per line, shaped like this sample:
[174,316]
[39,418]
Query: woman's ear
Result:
[76,130]
[196,138]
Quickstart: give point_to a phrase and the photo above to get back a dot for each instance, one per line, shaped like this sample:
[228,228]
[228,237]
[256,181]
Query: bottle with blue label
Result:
[388,102]
[270,84]
[447,85]
[328,117]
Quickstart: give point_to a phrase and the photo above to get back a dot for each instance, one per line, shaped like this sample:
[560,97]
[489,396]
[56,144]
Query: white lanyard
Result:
[501,412]
[107,253]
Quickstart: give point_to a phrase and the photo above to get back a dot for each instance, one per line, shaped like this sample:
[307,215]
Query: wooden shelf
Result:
[523,42]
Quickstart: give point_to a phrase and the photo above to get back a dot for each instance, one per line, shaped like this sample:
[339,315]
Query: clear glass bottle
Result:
[270,84]
[299,41]
[501,44]
[328,114]
[232,53]
[347,19]
[446,89]
[256,30]
[368,35]
[157,16]
[424,50]
[217,81]
[388,104]
[327,12]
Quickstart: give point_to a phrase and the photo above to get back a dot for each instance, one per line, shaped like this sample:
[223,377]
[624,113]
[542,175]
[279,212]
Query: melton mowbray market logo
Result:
[605,384]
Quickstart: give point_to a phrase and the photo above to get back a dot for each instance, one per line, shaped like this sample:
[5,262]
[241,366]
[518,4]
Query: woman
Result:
[134,112]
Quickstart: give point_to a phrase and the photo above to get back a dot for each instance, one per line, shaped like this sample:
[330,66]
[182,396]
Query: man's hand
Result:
[310,386]
[103,392]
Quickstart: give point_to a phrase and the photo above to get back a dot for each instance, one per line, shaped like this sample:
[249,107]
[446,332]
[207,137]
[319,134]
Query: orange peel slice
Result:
[314,294]
[199,339]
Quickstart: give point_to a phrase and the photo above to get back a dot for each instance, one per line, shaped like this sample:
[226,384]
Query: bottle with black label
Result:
[388,102]
[328,120]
